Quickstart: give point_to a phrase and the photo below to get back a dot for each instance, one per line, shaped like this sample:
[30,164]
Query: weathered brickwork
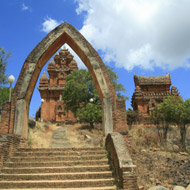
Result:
[125,171]
[8,145]
[5,116]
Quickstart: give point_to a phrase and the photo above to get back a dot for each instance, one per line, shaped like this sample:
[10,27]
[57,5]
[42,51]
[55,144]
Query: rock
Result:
[123,132]
[188,187]
[158,188]
[87,137]
[178,188]
[31,123]
[152,180]
[184,153]
[175,148]
[46,126]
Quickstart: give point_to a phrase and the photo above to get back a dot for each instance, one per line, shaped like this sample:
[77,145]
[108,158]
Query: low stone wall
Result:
[125,171]
[8,145]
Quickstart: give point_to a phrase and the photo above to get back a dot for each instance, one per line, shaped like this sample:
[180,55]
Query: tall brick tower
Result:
[51,89]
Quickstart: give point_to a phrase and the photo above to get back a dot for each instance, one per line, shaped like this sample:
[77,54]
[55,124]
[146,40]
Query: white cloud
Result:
[49,24]
[24,7]
[143,33]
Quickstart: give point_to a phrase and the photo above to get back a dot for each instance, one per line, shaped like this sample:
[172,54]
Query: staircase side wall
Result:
[125,171]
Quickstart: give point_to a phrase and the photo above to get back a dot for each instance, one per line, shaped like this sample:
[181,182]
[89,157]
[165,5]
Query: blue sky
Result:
[144,37]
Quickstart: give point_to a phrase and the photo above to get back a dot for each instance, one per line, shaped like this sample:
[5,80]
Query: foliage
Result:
[4,95]
[89,113]
[173,110]
[119,88]
[77,93]
[159,120]
[80,89]
[133,117]
[3,63]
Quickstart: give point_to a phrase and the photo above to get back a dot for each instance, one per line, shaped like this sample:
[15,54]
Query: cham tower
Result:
[51,89]
[150,91]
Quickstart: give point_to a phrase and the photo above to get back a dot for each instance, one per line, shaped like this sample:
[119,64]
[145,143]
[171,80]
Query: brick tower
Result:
[150,91]
[51,89]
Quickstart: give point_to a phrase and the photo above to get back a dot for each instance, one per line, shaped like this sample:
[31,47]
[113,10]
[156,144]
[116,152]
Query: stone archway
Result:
[64,33]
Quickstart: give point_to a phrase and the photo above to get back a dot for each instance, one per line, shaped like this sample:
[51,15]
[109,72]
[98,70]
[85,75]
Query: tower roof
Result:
[158,80]
[51,64]
[44,76]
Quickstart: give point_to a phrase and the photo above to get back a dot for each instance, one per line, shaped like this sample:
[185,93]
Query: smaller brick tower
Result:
[51,89]
[150,91]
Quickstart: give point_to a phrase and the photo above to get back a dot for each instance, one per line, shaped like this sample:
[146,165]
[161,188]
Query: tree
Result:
[3,63]
[90,113]
[78,92]
[182,119]
[4,91]
[119,88]
[4,95]
[160,122]
[174,110]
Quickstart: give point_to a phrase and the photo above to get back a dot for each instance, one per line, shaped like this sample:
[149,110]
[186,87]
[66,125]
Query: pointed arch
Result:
[64,33]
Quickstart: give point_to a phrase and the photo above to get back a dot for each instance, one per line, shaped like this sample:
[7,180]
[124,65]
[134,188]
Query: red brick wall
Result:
[5,113]
[8,145]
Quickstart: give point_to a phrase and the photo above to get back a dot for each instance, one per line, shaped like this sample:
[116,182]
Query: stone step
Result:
[59,140]
[56,163]
[65,169]
[61,145]
[57,183]
[64,137]
[56,176]
[91,149]
[58,153]
[57,158]
[83,188]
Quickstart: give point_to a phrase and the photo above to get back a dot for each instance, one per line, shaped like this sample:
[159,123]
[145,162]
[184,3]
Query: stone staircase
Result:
[58,168]
[59,138]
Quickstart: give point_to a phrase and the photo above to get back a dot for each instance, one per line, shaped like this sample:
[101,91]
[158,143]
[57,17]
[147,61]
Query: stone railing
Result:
[8,145]
[124,170]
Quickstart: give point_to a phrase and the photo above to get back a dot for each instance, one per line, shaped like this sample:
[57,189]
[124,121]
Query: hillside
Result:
[156,164]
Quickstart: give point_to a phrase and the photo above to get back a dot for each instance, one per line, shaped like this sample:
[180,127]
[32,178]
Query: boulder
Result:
[178,188]
[158,188]
[31,123]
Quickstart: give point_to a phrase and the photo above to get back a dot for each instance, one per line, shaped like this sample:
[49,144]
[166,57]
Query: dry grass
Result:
[41,135]
[149,137]
[80,135]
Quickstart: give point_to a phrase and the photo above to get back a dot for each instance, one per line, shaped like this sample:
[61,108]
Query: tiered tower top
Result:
[62,65]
